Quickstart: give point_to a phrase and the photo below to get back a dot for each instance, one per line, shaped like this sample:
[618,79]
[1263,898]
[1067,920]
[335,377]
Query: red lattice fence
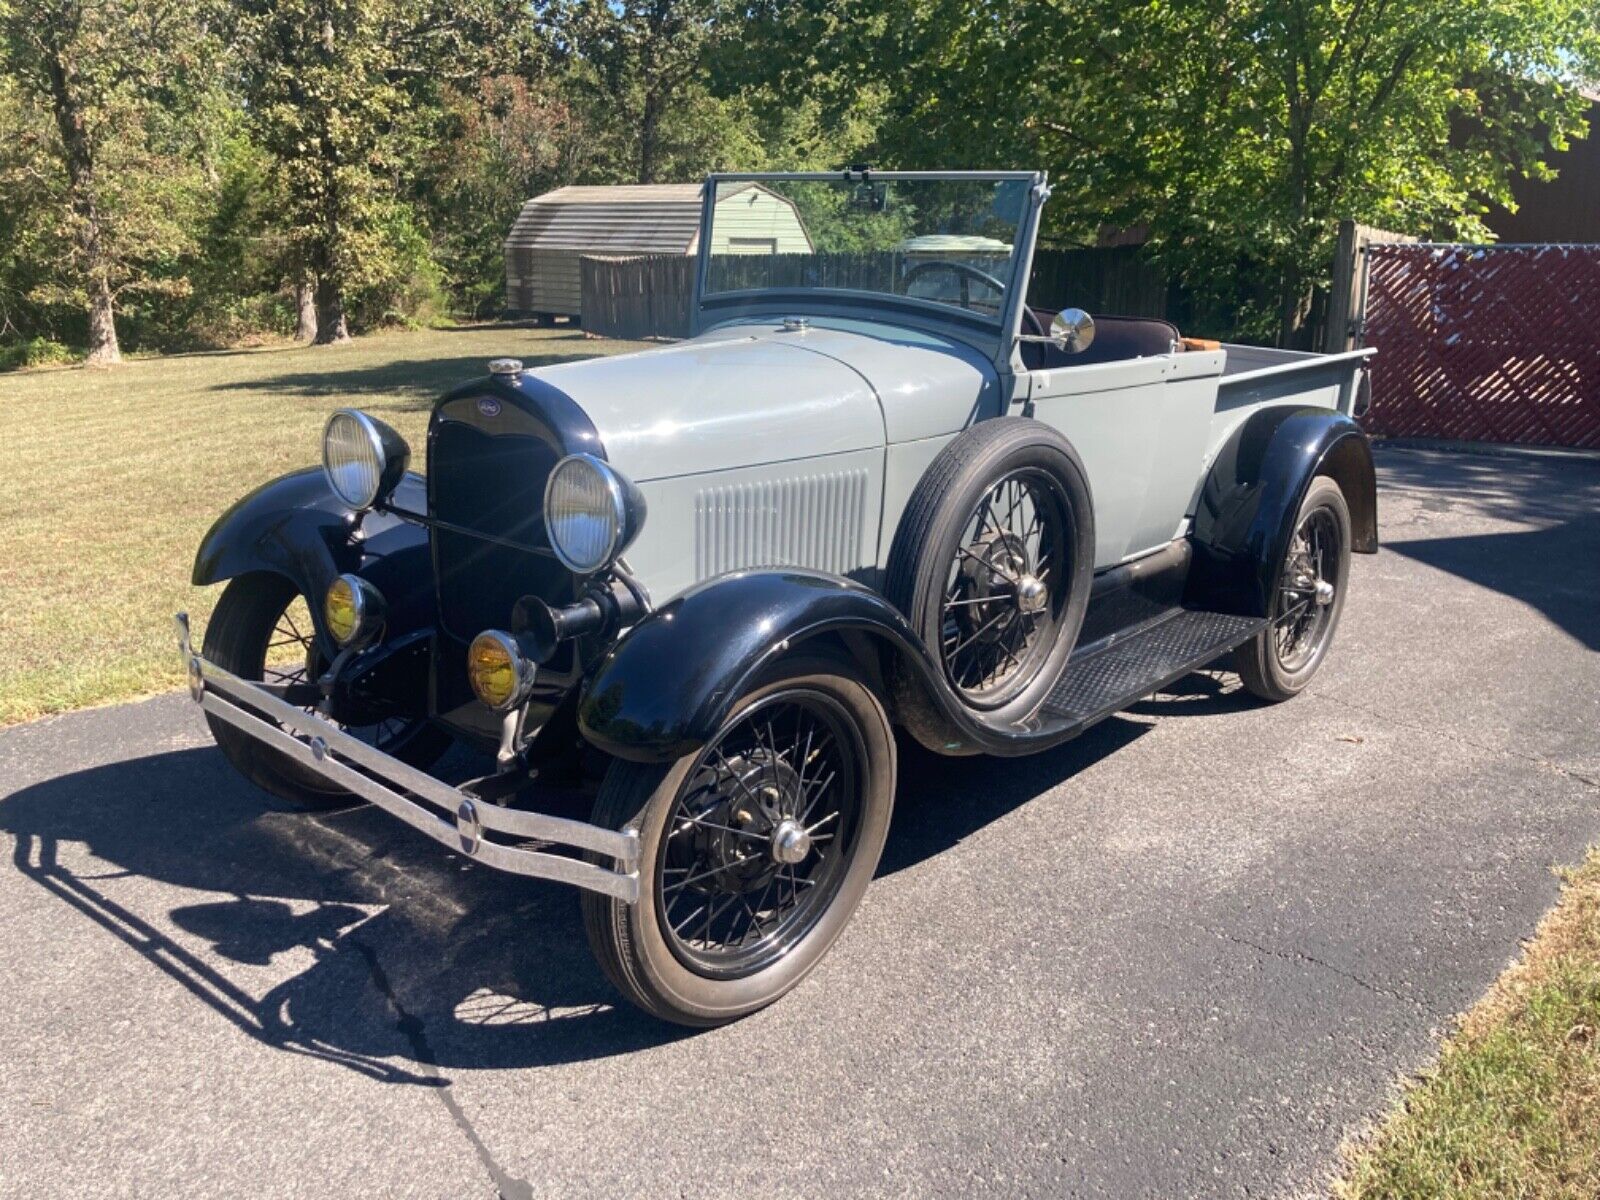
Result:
[1485,343]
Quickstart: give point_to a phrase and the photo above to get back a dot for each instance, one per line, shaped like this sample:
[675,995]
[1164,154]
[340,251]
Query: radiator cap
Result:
[505,366]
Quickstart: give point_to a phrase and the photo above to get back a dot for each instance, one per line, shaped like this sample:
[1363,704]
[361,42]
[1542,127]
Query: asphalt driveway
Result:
[1182,956]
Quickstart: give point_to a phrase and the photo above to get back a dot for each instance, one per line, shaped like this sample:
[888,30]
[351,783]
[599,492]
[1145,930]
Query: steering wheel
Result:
[966,272]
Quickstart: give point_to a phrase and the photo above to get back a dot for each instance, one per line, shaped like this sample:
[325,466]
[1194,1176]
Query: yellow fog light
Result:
[352,609]
[499,672]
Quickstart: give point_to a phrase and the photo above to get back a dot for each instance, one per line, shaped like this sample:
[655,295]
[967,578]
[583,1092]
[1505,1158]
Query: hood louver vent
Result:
[811,521]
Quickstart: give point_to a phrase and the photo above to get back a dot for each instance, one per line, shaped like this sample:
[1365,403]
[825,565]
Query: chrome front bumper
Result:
[461,821]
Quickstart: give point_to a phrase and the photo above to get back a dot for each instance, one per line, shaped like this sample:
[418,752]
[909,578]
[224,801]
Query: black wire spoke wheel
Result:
[760,835]
[1306,591]
[1307,598]
[754,850]
[1002,597]
[293,657]
[992,563]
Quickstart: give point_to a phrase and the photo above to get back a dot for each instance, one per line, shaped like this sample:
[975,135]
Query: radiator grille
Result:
[810,521]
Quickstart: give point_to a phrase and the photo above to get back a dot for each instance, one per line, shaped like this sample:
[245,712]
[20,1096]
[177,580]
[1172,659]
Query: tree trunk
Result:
[649,138]
[305,307]
[103,348]
[1294,306]
[93,265]
[331,327]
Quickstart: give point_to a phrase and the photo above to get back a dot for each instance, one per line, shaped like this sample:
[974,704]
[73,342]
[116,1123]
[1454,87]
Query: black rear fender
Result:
[296,527]
[1252,495]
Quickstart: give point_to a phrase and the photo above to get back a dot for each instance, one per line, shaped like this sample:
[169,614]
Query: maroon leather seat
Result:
[1115,338]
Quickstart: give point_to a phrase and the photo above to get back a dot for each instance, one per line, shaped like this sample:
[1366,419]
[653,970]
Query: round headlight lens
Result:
[342,610]
[496,669]
[353,610]
[353,458]
[584,511]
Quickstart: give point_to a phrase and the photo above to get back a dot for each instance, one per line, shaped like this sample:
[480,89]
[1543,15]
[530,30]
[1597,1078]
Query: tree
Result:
[646,66]
[1232,130]
[110,75]
[334,88]
[488,151]
[1282,116]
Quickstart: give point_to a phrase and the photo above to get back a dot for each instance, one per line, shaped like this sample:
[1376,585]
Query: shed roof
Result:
[653,218]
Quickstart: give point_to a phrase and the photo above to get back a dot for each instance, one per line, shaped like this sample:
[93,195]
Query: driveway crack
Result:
[1311,960]
[507,1186]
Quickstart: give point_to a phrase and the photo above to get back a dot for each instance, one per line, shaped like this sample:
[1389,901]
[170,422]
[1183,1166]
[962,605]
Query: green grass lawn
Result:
[1512,1109]
[110,479]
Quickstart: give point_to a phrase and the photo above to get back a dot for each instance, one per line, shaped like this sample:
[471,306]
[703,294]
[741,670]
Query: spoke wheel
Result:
[1002,599]
[754,850]
[1307,599]
[761,834]
[261,629]
[1306,590]
[991,564]
[293,656]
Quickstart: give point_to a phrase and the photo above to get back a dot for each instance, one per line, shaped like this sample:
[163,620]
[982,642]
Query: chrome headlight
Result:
[499,672]
[591,513]
[363,458]
[352,610]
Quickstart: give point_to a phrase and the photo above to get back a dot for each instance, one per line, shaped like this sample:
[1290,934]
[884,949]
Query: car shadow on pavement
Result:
[346,937]
[342,935]
[942,801]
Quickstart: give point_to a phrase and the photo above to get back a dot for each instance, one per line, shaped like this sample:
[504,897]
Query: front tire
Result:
[754,850]
[261,630]
[1280,661]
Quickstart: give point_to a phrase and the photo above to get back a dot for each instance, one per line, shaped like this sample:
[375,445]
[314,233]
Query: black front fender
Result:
[666,687]
[1252,495]
[296,527]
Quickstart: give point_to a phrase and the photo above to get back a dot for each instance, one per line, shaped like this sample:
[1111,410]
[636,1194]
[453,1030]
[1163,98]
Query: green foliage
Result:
[334,92]
[1228,129]
[201,160]
[104,182]
[489,150]
[35,352]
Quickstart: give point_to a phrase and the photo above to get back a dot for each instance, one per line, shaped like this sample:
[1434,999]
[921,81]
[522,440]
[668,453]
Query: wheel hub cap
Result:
[1324,593]
[1032,594]
[790,843]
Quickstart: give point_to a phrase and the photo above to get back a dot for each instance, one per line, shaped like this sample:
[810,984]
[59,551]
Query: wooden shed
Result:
[554,231]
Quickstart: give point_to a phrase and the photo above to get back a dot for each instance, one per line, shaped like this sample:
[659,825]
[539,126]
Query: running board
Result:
[1105,678]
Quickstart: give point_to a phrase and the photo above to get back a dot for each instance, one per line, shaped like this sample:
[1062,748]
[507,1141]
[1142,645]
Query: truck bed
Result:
[1254,375]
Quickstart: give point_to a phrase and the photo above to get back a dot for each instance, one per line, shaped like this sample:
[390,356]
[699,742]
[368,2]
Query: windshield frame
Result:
[995,336]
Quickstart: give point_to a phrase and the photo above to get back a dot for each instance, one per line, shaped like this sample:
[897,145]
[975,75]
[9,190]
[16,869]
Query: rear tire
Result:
[247,623]
[728,918]
[1281,660]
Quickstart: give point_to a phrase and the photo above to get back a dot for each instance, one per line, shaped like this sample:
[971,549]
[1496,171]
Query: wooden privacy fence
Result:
[1117,280]
[641,296]
[637,297]
[1485,343]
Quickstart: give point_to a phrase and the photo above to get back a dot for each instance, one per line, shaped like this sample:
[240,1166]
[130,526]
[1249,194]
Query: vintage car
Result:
[709,582]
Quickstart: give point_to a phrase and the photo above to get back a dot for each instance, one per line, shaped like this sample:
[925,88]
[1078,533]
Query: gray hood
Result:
[752,394]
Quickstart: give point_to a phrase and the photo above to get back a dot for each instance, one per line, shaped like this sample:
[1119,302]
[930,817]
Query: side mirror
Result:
[1072,329]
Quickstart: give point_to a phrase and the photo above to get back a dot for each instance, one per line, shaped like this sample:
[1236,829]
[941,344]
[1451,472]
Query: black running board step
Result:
[1105,679]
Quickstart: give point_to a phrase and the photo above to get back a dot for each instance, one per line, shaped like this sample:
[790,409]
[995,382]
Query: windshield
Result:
[948,241]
